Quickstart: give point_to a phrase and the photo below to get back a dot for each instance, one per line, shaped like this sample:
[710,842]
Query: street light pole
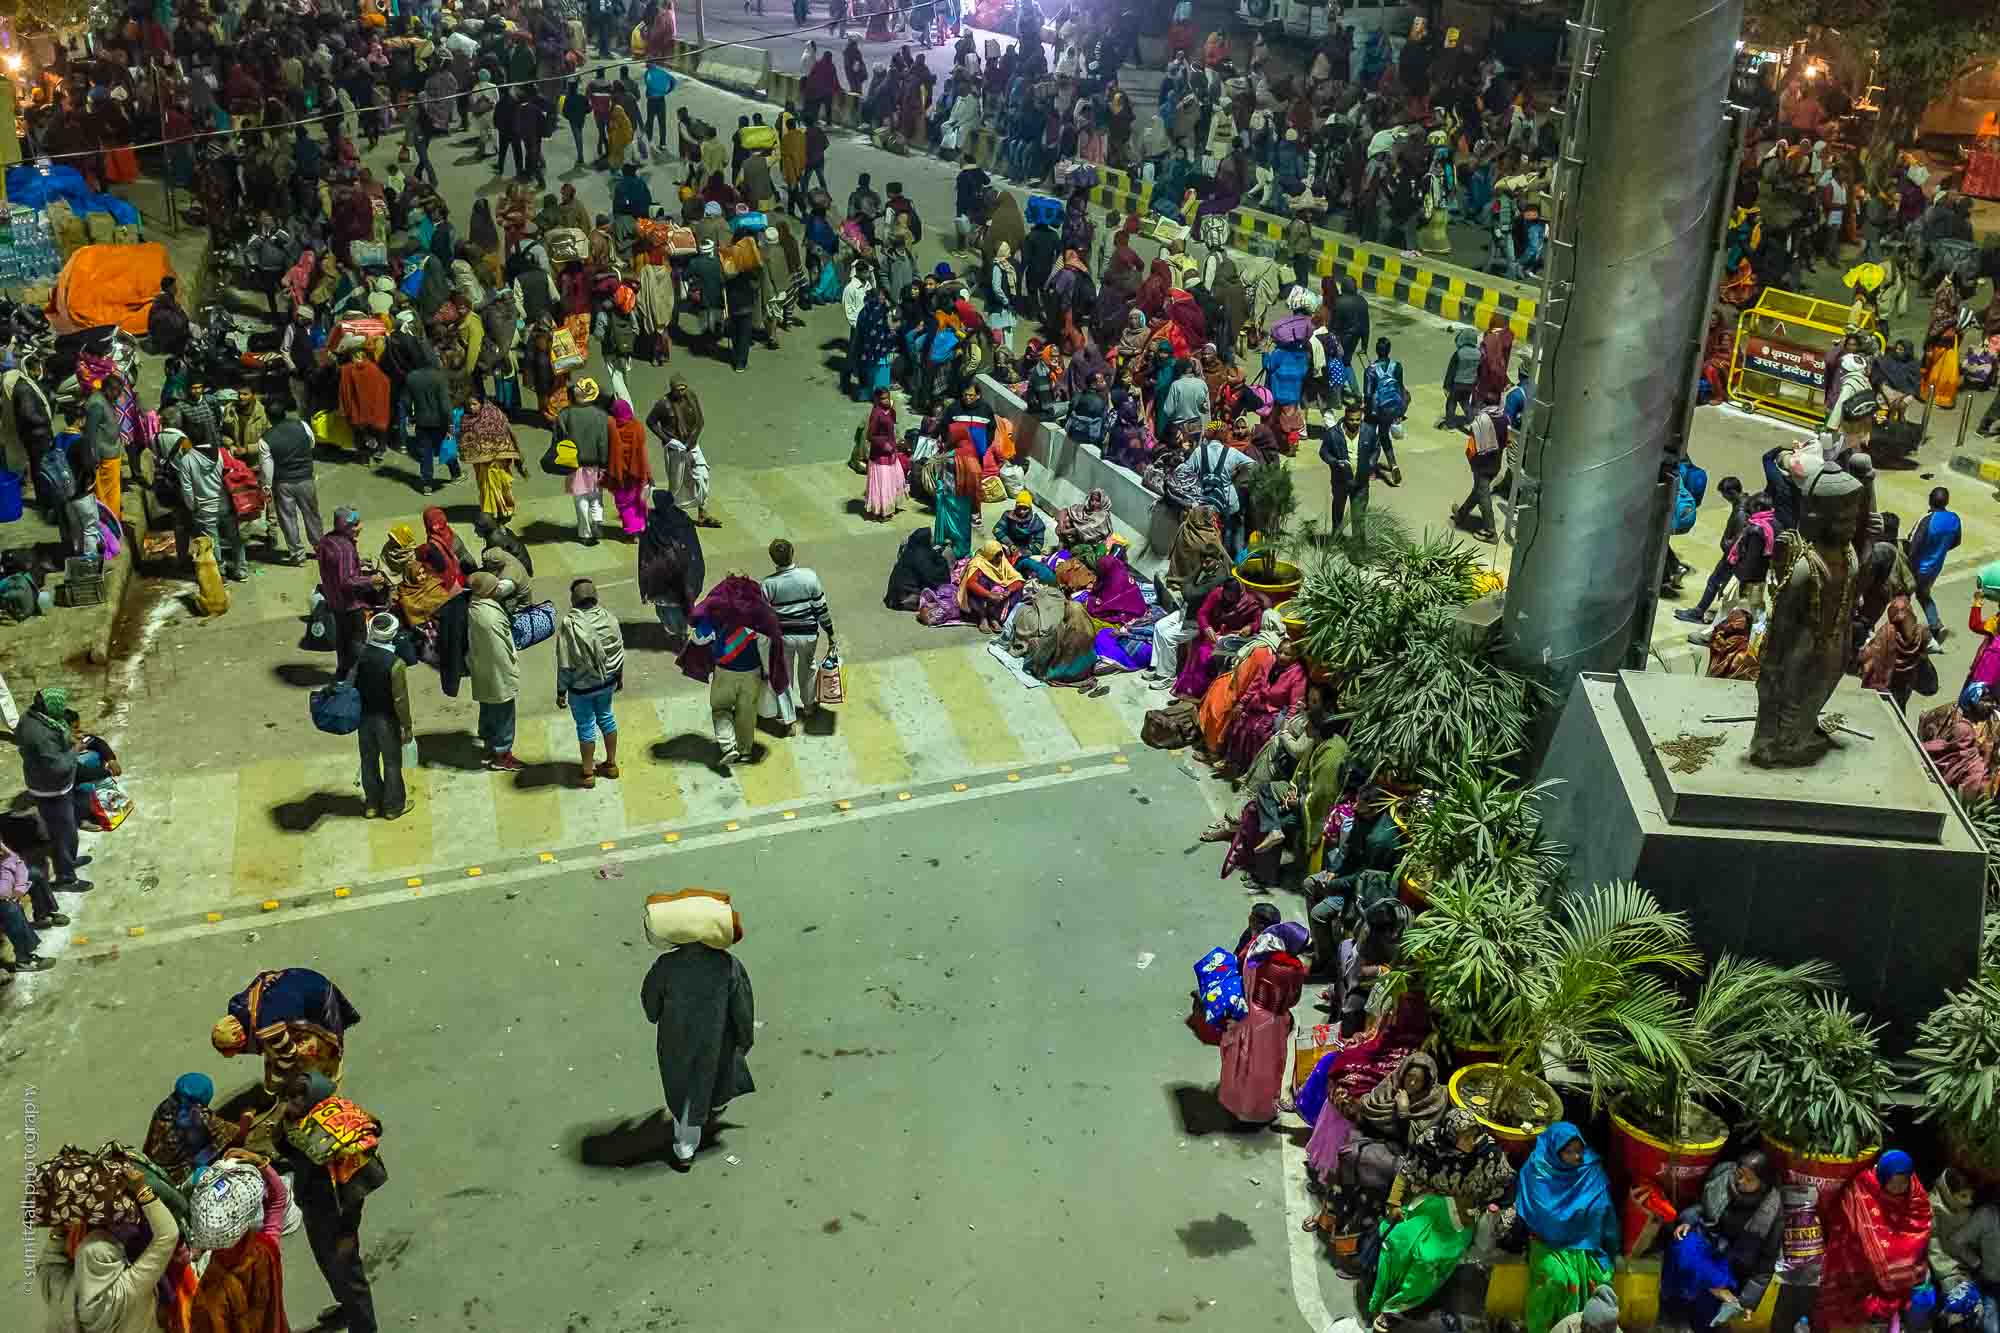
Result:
[700,23]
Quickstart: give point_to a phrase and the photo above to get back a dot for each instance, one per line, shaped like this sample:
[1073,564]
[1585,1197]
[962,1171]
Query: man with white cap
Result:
[383,683]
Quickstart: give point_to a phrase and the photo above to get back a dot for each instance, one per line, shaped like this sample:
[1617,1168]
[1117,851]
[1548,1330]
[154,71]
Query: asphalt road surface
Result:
[976,1105]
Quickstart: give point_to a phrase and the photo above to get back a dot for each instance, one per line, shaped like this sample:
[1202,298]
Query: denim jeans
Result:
[1924,583]
[426,445]
[14,925]
[496,727]
[592,714]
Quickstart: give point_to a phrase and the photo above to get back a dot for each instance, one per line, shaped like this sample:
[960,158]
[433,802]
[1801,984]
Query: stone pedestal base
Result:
[1863,860]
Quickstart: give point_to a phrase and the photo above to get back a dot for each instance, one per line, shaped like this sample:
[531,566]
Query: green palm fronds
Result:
[1957,1059]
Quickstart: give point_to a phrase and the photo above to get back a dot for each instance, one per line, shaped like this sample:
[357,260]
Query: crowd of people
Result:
[1408,1184]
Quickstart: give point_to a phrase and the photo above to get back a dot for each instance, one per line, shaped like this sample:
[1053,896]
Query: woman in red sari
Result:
[1154,291]
[443,551]
[1230,609]
[1877,1233]
[1261,703]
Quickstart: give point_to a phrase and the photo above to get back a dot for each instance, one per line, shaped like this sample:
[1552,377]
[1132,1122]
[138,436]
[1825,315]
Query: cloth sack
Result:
[533,624]
[336,708]
[223,1207]
[691,916]
[81,1188]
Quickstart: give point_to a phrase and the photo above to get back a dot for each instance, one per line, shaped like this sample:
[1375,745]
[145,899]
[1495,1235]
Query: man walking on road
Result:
[285,466]
[496,671]
[384,685]
[1936,533]
[331,1212]
[799,599]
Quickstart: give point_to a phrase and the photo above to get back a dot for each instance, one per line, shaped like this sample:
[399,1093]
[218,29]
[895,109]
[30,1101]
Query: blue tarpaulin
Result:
[29,188]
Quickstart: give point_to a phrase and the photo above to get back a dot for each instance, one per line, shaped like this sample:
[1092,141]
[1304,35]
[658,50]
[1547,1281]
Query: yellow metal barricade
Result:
[1783,345]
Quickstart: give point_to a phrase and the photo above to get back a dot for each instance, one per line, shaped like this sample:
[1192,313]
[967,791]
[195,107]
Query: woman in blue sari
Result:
[1564,1198]
[957,500]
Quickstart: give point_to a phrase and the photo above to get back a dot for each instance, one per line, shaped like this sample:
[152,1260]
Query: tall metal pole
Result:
[700,23]
[1646,148]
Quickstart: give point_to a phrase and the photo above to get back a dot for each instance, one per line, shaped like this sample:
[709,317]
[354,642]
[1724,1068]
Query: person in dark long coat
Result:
[699,999]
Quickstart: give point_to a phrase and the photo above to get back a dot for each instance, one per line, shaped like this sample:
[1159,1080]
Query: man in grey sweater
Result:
[285,466]
[799,599]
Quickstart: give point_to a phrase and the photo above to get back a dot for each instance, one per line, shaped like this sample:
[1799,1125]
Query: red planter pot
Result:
[1826,1174]
[1674,1168]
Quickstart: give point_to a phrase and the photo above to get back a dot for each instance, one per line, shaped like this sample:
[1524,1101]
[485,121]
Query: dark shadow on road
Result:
[536,776]
[642,1141]
[541,531]
[645,634]
[302,675]
[302,815]
[1200,1113]
[450,749]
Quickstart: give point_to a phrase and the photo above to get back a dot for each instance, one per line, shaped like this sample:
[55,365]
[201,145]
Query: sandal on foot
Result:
[608,771]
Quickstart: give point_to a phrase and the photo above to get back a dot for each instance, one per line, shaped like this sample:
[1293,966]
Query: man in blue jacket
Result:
[1936,533]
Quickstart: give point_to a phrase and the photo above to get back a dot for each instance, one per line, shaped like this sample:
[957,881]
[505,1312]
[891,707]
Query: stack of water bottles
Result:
[28,251]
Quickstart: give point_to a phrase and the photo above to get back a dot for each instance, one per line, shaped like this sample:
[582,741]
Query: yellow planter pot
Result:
[1518,1140]
[1275,587]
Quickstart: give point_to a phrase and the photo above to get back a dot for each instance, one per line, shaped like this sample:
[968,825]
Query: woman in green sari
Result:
[957,501]
[1564,1199]
[1450,1174]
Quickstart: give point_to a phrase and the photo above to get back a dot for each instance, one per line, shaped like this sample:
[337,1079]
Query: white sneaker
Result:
[730,755]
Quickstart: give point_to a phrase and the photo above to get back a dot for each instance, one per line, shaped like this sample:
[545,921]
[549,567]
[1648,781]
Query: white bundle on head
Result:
[224,1205]
[692,916]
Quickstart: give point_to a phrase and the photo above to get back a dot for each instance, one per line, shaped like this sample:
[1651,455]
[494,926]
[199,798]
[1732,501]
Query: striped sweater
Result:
[796,595]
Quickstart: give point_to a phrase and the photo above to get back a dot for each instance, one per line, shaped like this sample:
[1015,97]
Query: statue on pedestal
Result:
[1813,586]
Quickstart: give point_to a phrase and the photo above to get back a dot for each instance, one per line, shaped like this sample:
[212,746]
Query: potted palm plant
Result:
[1437,704]
[1671,1133]
[1588,986]
[1358,609]
[1269,499]
[1815,1083]
[1483,821]
[1956,1056]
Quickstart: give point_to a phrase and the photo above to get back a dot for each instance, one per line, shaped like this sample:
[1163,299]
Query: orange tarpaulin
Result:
[109,284]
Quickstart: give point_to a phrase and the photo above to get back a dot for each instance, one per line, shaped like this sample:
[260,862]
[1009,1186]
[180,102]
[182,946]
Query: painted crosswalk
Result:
[283,826]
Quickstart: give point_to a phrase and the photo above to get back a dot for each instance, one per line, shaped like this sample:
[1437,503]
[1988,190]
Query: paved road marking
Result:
[300,906]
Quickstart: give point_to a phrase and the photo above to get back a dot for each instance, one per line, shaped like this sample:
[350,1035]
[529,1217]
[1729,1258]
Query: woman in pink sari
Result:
[886,484]
[1257,1049]
[1261,704]
[1115,599]
[1343,1077]
[1230,609]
